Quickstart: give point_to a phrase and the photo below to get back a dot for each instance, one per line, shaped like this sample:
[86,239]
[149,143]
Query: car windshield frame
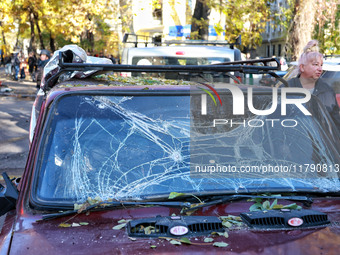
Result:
[50,203]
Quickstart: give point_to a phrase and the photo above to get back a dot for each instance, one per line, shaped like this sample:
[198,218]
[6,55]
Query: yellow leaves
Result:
[231,221]
[64,225]
[68,225]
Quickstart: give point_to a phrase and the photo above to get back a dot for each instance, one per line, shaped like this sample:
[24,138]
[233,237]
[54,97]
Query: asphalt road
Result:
[16,100]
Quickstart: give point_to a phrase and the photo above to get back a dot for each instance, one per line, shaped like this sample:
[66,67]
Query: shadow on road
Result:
[15,109]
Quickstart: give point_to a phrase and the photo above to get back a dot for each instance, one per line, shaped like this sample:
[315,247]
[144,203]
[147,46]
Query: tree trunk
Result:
[200,22]
[52,43]
[17,41]
[3,37]
[42,46]
[32,40]
[302,27]
[3,34]
[90,39]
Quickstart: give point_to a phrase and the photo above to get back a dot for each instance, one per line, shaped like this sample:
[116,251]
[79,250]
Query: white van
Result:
[180,55]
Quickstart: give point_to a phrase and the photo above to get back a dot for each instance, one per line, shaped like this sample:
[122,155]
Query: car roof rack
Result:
[246,66]
[331,56]
[156,40]
[136,39]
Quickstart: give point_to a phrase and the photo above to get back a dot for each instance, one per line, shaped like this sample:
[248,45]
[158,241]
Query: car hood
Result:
[95,234]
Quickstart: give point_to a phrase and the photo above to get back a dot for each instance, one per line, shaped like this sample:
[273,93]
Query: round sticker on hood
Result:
[295,222]
[179,230]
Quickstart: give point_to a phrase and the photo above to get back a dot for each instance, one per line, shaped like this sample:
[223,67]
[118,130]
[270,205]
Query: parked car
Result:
[128,165]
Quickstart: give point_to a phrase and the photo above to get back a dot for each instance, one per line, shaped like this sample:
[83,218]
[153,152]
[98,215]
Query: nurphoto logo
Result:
[239,99]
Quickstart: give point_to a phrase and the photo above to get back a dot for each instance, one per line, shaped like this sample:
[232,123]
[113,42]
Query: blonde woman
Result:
[310,69]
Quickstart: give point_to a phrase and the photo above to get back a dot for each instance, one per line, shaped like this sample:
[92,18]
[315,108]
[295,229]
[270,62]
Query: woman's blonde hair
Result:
[310,52]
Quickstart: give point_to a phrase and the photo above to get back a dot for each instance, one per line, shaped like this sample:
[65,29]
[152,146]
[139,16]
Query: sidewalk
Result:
[9,87]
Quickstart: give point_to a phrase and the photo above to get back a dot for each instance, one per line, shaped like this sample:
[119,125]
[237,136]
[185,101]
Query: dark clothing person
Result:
[40,69]
[32,64]
[16,64]
[44,58]
[325,94]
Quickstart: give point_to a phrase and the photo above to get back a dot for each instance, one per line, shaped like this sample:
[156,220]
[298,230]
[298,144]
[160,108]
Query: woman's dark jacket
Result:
[325,94]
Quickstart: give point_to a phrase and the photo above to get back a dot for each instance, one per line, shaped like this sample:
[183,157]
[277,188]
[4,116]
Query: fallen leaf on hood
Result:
[220,244]
[64,225]
[120,226]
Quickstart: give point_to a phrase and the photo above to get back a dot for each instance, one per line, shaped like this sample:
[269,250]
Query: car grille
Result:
[278,219]
[161,226]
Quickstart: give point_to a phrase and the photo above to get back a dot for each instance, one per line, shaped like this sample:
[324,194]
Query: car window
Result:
[179,60]
[333,78]
[134,147]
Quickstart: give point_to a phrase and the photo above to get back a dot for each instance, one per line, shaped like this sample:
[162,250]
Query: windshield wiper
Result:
[111,204]
[225,198]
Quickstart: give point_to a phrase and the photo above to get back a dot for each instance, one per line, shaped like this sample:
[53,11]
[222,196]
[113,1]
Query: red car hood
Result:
[97,236]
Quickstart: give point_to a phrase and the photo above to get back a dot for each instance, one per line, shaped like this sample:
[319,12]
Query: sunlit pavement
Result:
[16,100]
[21,88]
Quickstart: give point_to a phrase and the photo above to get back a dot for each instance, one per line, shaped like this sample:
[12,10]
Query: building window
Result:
[268,50]
[279,50]
[273,50]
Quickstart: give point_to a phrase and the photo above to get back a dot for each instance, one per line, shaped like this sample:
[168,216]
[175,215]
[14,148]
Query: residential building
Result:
[274,38]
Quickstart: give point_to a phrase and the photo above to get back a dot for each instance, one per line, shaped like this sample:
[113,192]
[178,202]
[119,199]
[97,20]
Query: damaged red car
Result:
[193,165]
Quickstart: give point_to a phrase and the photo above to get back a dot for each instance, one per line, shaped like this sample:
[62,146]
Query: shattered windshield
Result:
[149,144]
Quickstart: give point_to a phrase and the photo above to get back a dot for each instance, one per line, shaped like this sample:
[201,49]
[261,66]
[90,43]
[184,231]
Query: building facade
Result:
[274,38]
[172,21]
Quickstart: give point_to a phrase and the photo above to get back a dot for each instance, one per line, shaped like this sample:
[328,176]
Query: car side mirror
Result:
[8,195]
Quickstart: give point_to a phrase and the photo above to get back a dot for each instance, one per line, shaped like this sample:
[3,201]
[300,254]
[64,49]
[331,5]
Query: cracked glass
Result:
[147,144]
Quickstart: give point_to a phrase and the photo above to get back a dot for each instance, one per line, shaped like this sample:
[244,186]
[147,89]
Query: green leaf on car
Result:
[259,206]
[208,240]
[220,244]
[120,226]
[175,242]
[64,225]
[148,230]
[292,207]
[173,195]
[185,240]
[226,224]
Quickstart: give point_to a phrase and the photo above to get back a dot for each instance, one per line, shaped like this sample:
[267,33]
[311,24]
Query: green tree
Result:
[246,18]
[6,23]
[312,19]
[200,20]
[327,28]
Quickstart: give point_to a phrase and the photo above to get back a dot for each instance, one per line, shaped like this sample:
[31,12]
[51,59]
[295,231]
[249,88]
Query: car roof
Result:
[172,50]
